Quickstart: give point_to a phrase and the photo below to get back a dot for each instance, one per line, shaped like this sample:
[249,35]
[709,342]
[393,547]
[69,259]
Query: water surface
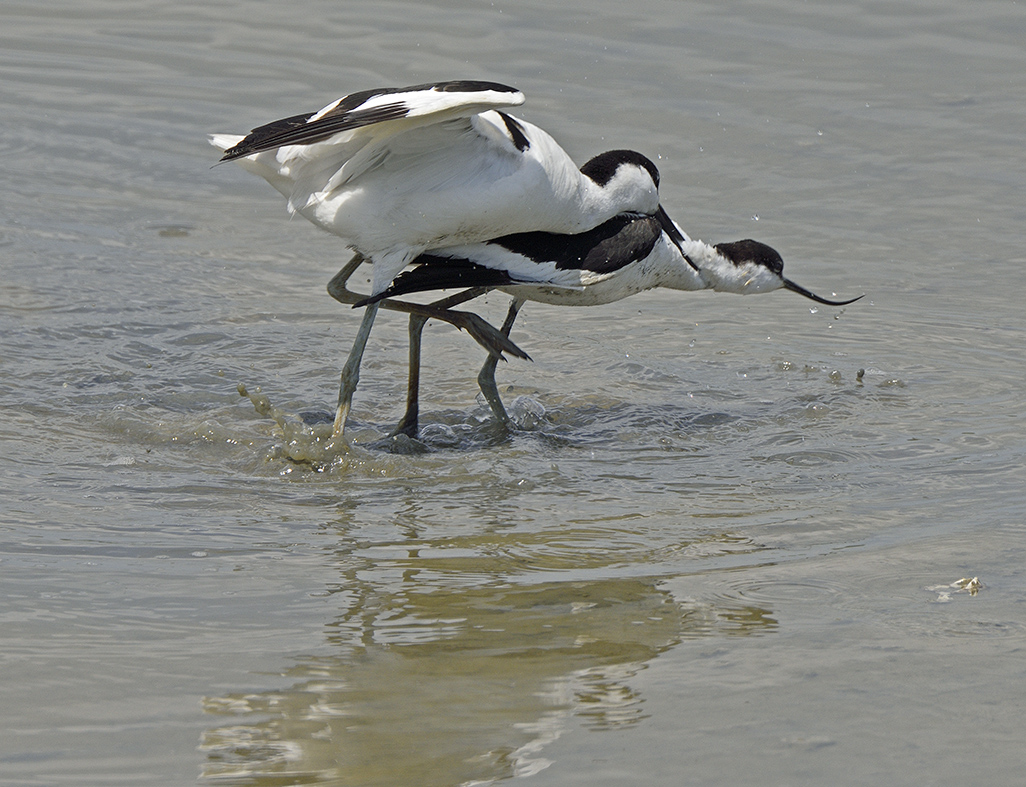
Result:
[718,550]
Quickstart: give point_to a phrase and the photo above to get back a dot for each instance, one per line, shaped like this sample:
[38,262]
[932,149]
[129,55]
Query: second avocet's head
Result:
[748,267]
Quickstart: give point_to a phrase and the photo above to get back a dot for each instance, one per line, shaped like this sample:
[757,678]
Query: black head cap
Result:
[602,168]
[741,251]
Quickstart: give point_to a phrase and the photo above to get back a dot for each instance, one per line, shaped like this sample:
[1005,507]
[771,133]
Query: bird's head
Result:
[628,179]
[747,266]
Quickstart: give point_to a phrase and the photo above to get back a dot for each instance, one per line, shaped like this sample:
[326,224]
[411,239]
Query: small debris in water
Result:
[972,586]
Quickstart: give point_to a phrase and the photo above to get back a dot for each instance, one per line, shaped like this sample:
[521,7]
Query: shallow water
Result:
[718,548]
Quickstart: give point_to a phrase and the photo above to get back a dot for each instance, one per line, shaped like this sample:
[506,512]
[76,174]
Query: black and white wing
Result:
[551,260]
[419,104]
[308,158]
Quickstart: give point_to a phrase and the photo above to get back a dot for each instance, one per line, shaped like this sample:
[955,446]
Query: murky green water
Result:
[713,552]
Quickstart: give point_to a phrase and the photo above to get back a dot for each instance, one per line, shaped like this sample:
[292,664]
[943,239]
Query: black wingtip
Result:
[239,150]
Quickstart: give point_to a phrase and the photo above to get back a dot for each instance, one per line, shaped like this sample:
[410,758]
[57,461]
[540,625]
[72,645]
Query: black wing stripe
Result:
[441,273]
[607,248]
[516,132]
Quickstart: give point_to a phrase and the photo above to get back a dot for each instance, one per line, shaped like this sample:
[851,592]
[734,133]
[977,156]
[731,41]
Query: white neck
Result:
[630,190]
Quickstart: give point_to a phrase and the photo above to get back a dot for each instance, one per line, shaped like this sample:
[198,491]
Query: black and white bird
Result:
[626,255]
[400,172]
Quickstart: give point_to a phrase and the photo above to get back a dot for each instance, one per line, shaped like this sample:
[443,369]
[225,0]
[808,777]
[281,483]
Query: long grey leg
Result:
[486,377]
[408,425]
[351,371]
